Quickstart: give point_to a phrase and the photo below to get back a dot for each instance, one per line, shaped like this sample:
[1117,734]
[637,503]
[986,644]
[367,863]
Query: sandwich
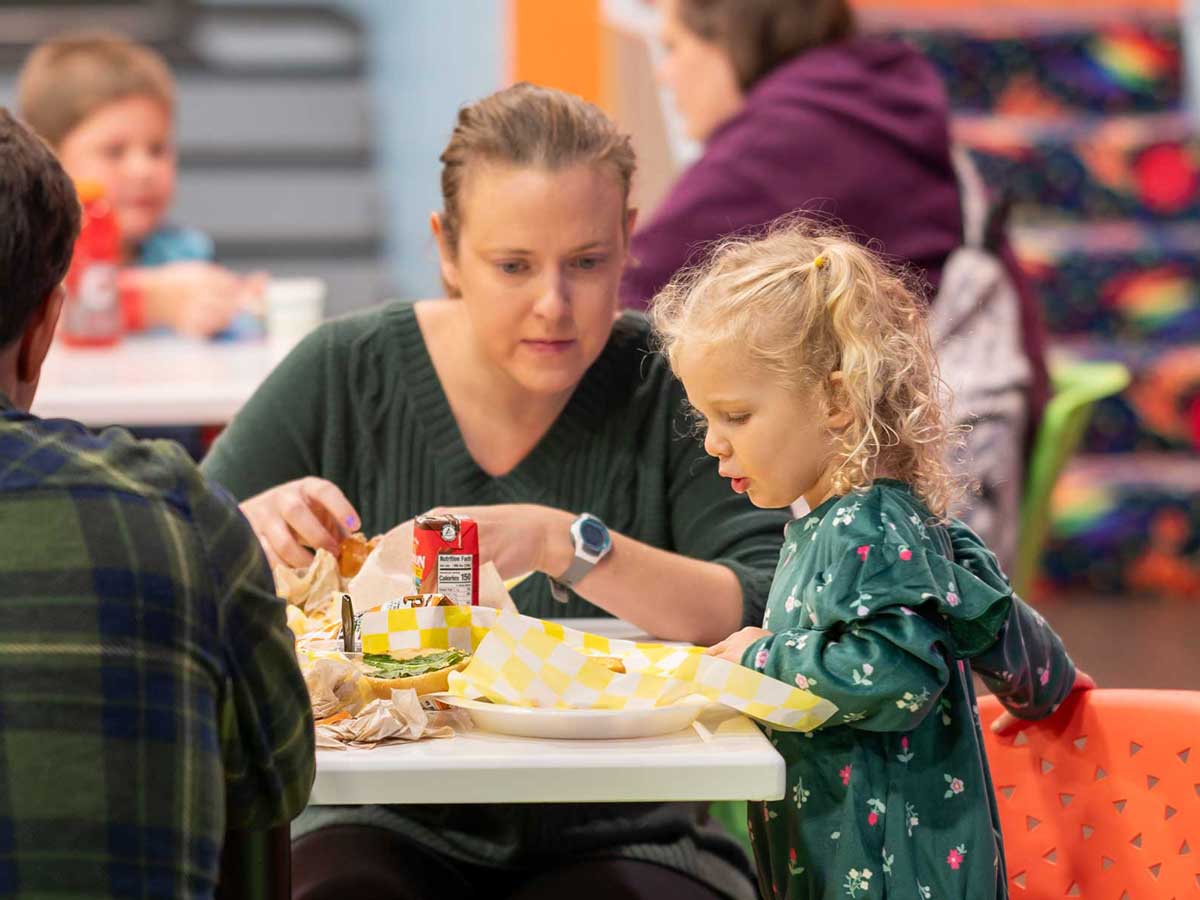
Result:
[424,671]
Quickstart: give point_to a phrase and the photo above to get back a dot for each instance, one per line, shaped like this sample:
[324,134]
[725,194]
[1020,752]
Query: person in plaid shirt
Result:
[149,692]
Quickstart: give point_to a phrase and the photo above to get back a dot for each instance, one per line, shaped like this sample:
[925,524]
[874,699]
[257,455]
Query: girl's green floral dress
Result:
[885,613]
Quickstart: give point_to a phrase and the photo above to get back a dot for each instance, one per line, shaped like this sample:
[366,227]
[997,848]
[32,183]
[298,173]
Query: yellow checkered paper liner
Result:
[523,661]
[435,628]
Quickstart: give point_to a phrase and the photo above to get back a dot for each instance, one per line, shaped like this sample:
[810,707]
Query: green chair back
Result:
[1078,386]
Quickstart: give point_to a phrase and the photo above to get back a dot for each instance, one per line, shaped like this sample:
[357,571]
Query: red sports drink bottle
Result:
[92,311]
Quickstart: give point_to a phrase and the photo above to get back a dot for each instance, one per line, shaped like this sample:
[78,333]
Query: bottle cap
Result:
[88,190]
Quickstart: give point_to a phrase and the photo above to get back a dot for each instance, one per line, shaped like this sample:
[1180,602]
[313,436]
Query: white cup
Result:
[294,307]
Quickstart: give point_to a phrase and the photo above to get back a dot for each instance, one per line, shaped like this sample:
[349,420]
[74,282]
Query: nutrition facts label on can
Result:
[454,577]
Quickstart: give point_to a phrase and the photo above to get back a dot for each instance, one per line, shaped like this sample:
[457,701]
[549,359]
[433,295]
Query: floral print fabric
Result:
[879,609]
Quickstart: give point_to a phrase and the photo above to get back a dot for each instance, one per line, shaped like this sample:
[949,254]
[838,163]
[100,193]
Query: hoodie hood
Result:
[859,132]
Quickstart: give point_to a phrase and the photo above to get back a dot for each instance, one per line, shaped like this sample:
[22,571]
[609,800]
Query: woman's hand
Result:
[1006,722]
[733,648]
[290,518]
[520,537]
[196,298]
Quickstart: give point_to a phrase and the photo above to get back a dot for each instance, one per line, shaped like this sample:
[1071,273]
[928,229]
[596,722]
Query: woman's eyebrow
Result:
[510,251]
[590,245]
[521,251]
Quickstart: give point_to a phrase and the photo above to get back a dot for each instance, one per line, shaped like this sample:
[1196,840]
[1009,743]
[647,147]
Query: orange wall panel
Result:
[557,43]
[1036,6]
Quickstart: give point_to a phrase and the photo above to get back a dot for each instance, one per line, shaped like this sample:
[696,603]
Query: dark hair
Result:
[527,125]
[759,35]
[39,221]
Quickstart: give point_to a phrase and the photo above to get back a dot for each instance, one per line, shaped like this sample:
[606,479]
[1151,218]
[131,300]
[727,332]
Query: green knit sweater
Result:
[360,404]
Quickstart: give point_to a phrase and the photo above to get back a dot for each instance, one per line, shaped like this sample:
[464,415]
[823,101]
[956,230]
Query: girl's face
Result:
[538,264]
[126,147]
[699,75]
[774,443]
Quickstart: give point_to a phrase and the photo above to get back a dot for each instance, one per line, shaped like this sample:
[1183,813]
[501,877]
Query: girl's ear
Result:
[837,408]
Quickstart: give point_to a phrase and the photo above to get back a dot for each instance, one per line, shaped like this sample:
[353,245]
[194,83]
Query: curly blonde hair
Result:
[806,301]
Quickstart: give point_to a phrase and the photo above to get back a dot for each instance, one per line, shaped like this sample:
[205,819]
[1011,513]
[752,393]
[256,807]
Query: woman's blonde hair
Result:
[528,125]
[805,301]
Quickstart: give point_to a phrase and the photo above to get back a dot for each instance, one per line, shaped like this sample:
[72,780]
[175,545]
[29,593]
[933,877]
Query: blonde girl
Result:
[809,365]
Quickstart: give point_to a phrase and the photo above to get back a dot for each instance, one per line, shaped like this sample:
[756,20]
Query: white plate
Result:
[580,724]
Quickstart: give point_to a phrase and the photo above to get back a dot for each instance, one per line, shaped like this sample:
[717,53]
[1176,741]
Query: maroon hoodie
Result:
[857,131]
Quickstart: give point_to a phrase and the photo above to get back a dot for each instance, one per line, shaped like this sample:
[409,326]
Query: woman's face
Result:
[538,264]
[699,75]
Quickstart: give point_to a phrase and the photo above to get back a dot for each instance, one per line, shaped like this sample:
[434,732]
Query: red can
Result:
[446,558]
[91,314]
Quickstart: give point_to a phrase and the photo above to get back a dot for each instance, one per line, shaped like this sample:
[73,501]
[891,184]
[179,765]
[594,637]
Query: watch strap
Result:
[560,587]
[559,591]
[578,568]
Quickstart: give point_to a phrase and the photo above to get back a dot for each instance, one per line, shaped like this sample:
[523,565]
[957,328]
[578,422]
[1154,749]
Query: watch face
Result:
[594,536]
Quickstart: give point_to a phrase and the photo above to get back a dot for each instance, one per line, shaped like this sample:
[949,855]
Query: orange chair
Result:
[1102,800]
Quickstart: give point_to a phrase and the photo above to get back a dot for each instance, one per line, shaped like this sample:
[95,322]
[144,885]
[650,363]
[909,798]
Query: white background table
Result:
[739,763]
[155,380]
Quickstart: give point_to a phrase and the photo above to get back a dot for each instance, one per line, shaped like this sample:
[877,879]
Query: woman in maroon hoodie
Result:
[798,112]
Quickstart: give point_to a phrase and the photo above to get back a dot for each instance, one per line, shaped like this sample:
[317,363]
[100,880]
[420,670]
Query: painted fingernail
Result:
[351,522]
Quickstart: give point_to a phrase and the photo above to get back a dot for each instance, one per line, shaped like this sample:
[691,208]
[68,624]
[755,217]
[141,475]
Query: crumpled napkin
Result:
[387,572]
[335,685]
[384,721]
[312,589]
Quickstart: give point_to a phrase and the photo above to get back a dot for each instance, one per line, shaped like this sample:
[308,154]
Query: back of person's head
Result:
[760,35]
[804,302]
[529,126]
[39,221]
[67,79]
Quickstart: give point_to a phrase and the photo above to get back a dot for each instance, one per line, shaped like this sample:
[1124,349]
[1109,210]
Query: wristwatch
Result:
[592,544]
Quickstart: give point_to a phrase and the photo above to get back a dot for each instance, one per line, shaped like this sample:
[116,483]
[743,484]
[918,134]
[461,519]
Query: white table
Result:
[153,380]
[739,763]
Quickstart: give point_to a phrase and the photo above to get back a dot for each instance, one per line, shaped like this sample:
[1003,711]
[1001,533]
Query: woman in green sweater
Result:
[524,401]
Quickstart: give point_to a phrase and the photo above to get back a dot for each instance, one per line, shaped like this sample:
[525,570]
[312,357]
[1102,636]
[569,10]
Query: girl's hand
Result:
[520,537]
[1006,723]
[290,518]
[733,648]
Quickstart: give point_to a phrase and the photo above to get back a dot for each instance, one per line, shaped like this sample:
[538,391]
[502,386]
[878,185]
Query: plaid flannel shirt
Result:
[149,692]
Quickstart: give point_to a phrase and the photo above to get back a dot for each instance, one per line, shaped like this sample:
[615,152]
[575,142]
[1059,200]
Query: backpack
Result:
[975,325]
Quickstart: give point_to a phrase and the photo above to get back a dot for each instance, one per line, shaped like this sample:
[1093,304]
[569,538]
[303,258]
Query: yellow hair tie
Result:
[819,262]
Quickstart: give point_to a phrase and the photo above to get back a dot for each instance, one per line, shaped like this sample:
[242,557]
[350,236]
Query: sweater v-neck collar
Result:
[575,425]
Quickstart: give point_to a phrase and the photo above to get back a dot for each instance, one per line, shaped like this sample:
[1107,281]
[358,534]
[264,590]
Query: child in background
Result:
[811,366]
[106,107]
